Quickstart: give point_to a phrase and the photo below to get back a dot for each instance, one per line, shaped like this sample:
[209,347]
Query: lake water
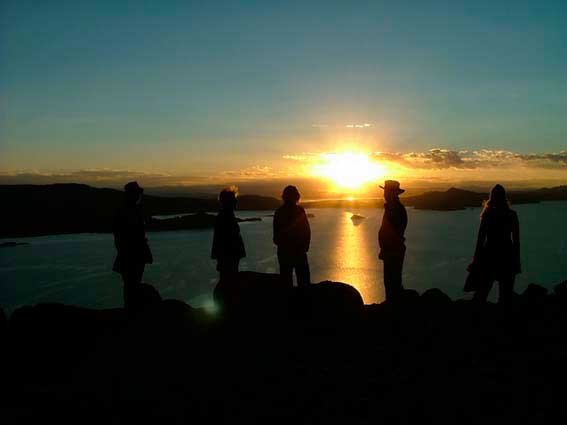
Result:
[76,269]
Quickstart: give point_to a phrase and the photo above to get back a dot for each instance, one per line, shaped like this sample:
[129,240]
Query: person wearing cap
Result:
[292,236]
[228,246]
[392,241]
[133,251]
[497,252]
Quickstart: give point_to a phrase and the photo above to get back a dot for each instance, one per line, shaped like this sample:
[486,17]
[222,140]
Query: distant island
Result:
[449,200]
[458,199]
[36,210]
[200,220]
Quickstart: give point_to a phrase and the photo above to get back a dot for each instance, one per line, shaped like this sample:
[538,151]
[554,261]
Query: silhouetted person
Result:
[228,246]
[292,236]
[391,239]
[497,253]
[133,251]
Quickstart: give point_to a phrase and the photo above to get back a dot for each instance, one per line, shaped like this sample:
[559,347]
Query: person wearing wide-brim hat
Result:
[392,241]
[133,251]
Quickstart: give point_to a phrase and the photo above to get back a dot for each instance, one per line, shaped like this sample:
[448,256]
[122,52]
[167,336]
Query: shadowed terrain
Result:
[33,210]
[317,356]
[76,208]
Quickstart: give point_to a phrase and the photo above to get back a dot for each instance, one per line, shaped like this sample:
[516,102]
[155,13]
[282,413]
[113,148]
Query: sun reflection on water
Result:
[356,259]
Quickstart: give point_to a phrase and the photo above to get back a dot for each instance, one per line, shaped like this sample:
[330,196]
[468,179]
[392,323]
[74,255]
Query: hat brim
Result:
[400,191]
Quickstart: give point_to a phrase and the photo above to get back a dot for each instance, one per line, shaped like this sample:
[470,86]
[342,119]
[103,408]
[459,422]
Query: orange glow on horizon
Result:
[349,170]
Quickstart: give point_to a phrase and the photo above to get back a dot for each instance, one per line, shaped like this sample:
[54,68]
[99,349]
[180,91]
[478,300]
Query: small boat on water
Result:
[357,219]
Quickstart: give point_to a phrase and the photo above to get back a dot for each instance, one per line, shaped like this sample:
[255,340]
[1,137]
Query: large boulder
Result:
[67,323]
[147,297]
[3,326]
[56,334]
[252,293]
[176,310]
[434,297]
[177,316]
[266,296]
[329,300]
[2,320]
[409,298]
[534,292]
[560,291]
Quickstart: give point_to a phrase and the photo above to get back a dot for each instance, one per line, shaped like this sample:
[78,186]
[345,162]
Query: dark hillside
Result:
[33,210]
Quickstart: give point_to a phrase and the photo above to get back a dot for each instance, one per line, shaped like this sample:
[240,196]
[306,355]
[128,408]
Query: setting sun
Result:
[349,170]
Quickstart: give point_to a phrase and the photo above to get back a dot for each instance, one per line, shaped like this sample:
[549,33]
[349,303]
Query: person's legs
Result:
[481,294]
[228,268]
[506,289]
[132,277]
[302,271]
[226,294]
[126,289]
[286,273]
[139,272]
[286,268]
[393,277]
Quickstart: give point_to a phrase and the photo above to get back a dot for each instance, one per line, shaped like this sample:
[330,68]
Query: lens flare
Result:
[349,170]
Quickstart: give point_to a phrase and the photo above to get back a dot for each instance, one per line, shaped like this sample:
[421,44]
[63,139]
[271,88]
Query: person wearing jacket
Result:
[131,242]
[292,236]
[392,241]
[228,246]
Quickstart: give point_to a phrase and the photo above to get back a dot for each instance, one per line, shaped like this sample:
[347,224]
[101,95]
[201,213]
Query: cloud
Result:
[444,159]
[97,177]
[440,159]
[437,158]
[364,125]
[438,162]
[549,160]
[255,171]
[308,156]
[258,172]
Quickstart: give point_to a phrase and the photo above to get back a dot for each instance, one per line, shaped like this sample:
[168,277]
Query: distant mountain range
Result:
[458,199]
[34,210]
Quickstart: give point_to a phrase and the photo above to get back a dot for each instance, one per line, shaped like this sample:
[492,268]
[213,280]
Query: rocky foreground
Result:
[275,355]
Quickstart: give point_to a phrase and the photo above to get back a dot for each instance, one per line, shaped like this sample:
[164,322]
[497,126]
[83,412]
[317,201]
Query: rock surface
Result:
[3,323]
[315,356]
[264,295]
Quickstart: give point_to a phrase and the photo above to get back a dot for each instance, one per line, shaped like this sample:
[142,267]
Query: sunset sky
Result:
[201,92]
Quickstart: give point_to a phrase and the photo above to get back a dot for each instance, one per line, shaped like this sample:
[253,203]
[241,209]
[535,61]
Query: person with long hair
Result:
[497,252]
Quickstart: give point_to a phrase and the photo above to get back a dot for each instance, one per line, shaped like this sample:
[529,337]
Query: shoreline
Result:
[208,223]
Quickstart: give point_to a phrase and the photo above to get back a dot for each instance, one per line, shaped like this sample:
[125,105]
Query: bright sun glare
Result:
[349,170]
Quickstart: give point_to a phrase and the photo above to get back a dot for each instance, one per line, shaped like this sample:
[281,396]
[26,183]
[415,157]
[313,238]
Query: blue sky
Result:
[188,87]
